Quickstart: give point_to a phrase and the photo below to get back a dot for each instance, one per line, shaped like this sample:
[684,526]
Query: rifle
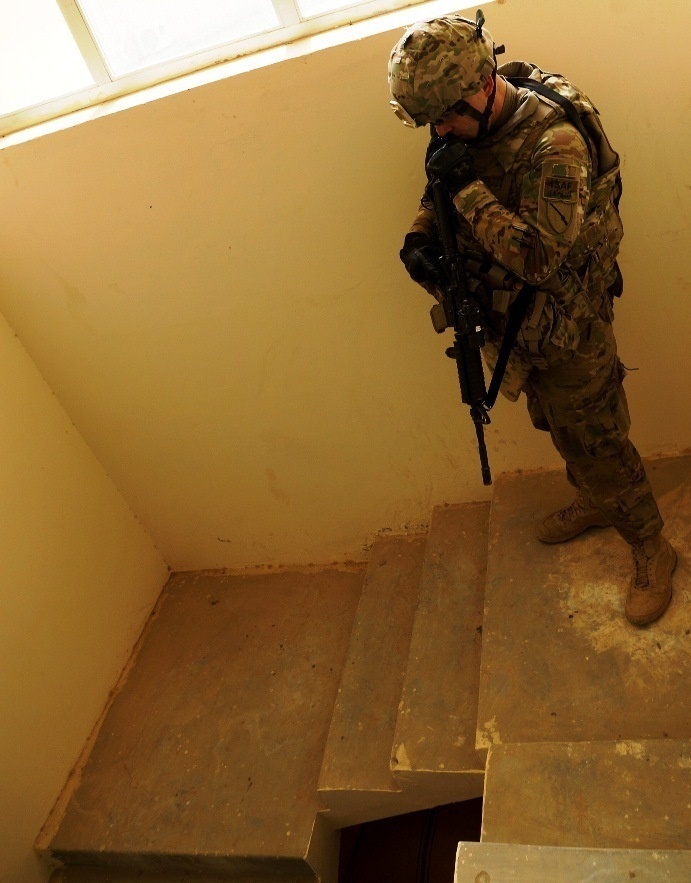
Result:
[462,312]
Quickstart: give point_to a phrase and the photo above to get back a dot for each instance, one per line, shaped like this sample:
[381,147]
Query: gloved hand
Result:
[453,164]
[420,255]
[435,144]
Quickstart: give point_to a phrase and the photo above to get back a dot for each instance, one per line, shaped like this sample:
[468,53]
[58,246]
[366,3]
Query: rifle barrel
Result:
[464,311]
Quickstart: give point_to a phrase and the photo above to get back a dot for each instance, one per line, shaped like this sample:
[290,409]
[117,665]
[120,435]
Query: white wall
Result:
[78,578]
[211,285]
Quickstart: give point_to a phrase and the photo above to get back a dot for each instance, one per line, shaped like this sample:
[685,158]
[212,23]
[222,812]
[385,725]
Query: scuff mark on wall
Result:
[274,489]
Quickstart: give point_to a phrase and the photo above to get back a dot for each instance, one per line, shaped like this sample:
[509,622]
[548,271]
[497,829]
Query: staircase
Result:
[264,712]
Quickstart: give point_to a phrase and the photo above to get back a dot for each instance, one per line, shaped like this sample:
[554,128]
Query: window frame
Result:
[107,88]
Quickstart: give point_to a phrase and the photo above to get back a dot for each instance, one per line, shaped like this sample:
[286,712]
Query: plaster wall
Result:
[78,578]
[211,285]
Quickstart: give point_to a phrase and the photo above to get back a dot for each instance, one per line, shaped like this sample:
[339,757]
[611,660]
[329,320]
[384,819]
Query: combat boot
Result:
[571,521]
[650,590]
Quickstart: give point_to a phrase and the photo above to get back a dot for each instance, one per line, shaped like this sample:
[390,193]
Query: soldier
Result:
[536,186]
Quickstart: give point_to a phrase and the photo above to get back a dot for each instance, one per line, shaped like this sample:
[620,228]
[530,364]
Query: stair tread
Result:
[95,874]
[559,660]
[358,749]
[509,863]
[623,794]
[213,750]
[438,708]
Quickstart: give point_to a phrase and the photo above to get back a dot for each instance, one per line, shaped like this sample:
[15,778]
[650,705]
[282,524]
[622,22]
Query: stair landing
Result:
[560,663]
[208,761]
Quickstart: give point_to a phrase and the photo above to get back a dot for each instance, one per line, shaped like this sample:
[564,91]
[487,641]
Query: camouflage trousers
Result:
[582,404]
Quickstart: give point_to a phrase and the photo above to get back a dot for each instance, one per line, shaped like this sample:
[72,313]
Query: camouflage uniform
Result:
[544,208]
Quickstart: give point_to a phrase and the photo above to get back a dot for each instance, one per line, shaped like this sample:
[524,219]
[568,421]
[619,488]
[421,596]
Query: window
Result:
[57,56]
[39,59]
[132,35]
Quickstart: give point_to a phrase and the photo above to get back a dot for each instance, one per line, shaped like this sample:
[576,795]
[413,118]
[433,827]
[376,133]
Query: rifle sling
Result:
[517,312]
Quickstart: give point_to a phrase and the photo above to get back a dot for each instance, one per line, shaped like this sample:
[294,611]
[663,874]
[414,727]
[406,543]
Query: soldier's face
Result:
[461,124]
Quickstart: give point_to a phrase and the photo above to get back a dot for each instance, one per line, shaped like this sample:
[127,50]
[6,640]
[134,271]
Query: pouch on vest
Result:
[548,335]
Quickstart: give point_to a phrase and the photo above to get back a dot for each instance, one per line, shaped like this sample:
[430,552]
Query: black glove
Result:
[435,144]
[420,255]
[453,164]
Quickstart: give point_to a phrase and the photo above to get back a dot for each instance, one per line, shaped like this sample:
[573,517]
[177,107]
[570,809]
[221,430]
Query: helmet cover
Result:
[437,63]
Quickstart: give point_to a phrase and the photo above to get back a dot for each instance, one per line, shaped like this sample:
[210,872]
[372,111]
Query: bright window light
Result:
[133,35]
[309,8]
[63,56]
[39,59]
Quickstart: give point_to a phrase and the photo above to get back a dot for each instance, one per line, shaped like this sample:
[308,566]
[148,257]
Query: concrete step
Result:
[508,863]
[95,874]
[560,663]
[208,759]
[355,784]
[616,795]
[434,754]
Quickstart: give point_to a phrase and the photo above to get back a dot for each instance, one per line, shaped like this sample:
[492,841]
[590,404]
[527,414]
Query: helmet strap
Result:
[487,113]
[462,107]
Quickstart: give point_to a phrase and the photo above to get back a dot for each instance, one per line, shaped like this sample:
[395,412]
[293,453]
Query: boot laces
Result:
[640,561]
[578,507]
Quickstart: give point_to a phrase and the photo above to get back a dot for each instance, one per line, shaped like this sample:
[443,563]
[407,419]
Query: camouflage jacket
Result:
[544,208]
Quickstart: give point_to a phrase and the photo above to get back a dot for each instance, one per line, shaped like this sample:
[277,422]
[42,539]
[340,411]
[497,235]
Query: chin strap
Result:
[487,113]
[462,107]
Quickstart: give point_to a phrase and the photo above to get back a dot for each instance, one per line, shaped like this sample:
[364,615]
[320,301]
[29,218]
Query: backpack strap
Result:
[566,105]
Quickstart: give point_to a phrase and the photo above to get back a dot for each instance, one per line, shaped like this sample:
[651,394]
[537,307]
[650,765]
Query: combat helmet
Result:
[437,64]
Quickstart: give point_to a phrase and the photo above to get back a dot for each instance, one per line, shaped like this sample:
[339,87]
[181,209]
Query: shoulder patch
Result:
[564,189]
[558,204]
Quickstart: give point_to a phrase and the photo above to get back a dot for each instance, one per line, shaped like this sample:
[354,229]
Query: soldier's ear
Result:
[487,86]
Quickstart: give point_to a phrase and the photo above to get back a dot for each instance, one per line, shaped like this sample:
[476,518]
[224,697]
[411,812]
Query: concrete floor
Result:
[560,663]
[209,758]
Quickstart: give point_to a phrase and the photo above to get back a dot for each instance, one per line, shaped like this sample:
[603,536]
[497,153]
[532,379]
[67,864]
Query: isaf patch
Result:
[559,191]
[564,189]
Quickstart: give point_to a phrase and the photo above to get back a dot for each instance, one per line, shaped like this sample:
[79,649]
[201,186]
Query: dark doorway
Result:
[419,847]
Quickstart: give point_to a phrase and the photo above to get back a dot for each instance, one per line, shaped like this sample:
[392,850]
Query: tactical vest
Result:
[580,289]
[593,255]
